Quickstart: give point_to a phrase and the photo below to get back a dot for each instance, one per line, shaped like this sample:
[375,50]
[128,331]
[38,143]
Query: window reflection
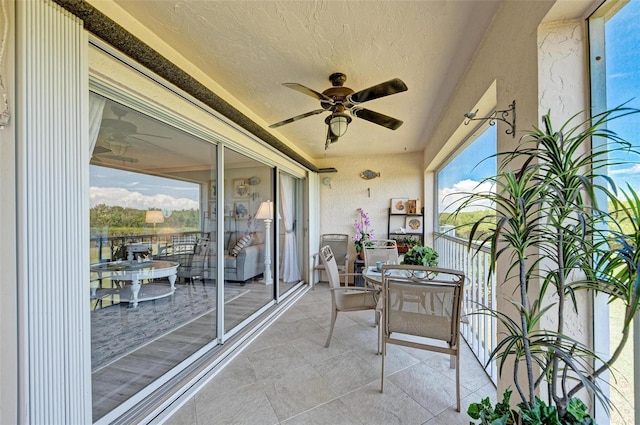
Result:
[155,205]
[247,184]
[153,250]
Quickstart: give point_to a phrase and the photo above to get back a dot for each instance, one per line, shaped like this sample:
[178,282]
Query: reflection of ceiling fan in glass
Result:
[112,139]
[113,149]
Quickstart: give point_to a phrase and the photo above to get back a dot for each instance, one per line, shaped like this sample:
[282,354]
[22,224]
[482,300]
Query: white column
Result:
[53,214]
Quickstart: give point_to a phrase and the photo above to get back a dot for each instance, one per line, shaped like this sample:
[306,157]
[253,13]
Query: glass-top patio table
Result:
[135,271]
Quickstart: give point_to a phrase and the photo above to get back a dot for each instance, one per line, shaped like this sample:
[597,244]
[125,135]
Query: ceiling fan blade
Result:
[309,92]
[152,135]
[377,118]
[297,117]
[119,158]
[383,89]
[99,149]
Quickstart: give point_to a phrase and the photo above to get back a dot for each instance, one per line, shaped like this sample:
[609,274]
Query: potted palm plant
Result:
[558,240]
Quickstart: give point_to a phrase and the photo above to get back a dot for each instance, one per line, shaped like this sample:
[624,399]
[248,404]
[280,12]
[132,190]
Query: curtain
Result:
[289,270]
[96,107]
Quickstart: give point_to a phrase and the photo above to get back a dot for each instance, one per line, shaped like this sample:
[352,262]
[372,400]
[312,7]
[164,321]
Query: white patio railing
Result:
[479,330]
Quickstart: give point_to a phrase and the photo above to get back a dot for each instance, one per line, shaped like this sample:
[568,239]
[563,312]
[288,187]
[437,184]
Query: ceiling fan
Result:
[112,139]
[338,99]
[119,129]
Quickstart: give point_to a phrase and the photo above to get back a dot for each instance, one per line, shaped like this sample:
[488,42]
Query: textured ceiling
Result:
[251,47]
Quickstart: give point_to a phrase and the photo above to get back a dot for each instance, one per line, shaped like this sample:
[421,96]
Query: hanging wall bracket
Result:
[497,115]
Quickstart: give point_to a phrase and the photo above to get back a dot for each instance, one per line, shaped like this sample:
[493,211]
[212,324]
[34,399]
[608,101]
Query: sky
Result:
[114,187]
[623,86]
[623,83]
[466,170]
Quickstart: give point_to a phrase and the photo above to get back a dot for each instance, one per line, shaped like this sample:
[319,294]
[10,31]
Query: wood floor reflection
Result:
[121,379]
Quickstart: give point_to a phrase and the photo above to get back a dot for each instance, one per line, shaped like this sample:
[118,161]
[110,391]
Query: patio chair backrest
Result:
[423,302]
[329,261]
[339,244]
[380,250]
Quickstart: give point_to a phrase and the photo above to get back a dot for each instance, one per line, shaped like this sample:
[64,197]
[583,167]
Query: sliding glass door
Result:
[153,250]
[190,242]
[249,223]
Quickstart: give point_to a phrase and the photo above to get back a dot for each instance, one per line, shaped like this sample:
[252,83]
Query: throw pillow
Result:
[242,242]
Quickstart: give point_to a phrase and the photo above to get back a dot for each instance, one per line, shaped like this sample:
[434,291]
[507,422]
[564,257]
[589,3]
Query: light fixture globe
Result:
[338,123]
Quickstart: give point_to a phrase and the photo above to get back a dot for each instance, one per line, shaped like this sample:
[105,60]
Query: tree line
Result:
[127,218]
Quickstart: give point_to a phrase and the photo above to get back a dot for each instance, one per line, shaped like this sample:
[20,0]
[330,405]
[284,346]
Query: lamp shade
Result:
[338,123]
[154,217]
[265,212]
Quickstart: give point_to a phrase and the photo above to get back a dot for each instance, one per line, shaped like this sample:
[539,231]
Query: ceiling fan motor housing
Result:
[339,96]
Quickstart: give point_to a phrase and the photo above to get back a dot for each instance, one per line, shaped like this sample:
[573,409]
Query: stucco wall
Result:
[518,58]
[400,177]
[563,85]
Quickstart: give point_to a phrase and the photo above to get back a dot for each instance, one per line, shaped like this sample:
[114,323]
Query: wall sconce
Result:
[504,117]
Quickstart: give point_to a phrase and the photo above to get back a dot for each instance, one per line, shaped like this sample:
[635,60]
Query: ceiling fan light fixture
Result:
[338,123]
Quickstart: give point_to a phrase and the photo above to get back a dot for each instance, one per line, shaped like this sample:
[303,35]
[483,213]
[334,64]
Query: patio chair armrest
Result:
[349,274]
[316,261]
[355,288]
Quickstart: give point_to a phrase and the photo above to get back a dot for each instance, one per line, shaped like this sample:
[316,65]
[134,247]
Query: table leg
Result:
[172,281]
[94,290]
[135,288]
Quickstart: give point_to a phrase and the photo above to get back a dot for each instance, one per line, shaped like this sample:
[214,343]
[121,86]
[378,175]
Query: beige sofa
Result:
[246,262]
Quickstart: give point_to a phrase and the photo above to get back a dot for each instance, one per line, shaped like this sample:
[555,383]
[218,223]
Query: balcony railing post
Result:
[479,330]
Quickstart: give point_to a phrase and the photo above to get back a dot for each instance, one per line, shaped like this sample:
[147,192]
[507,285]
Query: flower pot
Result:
[361,255]
[402,249]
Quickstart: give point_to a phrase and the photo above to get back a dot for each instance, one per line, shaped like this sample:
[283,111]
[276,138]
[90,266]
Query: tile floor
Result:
[286,376]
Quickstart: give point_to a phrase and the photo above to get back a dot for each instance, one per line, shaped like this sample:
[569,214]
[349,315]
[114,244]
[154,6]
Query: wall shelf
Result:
[405,221]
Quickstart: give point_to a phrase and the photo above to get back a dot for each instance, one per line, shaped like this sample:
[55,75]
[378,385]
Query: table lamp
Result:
[154,217]
[265,212]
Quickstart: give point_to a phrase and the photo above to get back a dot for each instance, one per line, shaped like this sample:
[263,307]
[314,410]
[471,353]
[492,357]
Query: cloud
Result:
[635,169]
[450,198]
[116,196]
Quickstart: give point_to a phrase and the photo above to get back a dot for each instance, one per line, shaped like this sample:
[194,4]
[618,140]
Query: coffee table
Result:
[135,271]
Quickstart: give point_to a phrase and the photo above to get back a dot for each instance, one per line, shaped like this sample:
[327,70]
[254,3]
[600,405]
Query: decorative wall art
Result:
[369,174]
[413,224]
[213,210]
[399,205]
[241,210]
[213,200]
[254,180]
[240,189]
[213,190]
[414,206]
